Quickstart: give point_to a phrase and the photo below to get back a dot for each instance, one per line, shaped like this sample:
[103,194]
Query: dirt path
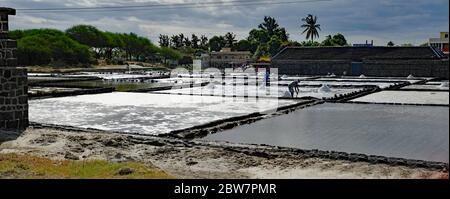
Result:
[185,159]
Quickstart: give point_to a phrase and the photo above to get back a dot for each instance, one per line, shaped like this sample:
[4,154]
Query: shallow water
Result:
[407,97]
[412,132]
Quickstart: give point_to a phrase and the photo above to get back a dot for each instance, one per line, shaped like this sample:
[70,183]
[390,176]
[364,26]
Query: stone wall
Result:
[386,68]
[14,86]
[311,67]
[402,68]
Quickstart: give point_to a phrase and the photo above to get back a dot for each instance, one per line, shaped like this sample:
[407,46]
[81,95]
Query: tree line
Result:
[265,40]
[84,44]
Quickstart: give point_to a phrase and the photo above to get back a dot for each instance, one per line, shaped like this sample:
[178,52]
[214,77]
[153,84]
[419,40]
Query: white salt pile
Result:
[362,76]
[287,94]
[211,86]
[444,85]
[324,89]
[284,77]
[410,77]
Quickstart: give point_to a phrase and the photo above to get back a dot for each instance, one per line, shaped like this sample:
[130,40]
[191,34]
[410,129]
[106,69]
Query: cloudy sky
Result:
[402,21]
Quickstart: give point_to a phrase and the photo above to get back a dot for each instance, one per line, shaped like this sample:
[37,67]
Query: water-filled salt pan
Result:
[412,132]
[407,97]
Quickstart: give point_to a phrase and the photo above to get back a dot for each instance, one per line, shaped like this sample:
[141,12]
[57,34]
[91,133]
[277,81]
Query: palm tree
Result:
[230,39]
[311,27]
[270,25]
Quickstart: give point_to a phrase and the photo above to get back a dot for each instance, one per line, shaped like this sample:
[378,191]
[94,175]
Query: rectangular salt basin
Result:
[382,85]
[406,97]
[425,87]
[261,91]
[144,113]
[412,81]
[411,132]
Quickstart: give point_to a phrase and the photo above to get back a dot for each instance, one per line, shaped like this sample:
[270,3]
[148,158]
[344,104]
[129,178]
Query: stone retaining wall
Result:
[380,68]
[14,87]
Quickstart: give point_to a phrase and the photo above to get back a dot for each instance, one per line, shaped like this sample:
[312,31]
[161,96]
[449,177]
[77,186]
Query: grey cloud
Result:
[403,21]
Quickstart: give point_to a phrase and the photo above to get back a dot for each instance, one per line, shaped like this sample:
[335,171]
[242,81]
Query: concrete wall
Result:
[311,67]
[14,86]
[402,68]
[387,68]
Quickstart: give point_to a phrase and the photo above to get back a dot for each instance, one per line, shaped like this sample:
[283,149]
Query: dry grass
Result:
[22,166]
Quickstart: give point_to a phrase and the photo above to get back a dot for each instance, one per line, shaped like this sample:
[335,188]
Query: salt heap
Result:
[444,85]
[324,89]
[410,77]
[284,77]
[287,94]
[212,85]
[362,76]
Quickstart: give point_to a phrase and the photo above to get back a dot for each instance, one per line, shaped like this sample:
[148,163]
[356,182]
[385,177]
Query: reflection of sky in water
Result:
[409,97]
[412,132]
[143,113]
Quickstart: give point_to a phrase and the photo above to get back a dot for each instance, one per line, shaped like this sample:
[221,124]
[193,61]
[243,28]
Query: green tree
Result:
[339,40]
[261,51]
[187,42]
[270,25]
[243,45]
[164,40]
[390,44]
[195,41]
[216,43]
[230,39]
[336,40]
[204,42]
[273,45]
[282,34]
[311,28]
[175,42]
[88,35]
[48,46]
[169,53]
[310,43]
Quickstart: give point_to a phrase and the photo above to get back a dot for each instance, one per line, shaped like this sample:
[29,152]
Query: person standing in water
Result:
[294,87]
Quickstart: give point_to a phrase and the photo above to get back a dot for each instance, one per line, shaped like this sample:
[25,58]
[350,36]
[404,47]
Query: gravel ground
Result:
[188,159]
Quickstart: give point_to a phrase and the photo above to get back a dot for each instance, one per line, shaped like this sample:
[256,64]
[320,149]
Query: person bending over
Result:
[294,88]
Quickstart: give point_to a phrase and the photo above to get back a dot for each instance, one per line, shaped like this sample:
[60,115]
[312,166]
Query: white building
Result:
[440,43]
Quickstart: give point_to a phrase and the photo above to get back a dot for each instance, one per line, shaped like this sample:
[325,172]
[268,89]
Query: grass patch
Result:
[30,167]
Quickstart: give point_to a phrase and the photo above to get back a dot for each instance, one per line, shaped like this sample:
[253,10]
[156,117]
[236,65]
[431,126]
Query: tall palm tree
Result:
[311,28]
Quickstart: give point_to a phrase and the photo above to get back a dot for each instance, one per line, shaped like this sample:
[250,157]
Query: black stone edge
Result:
[203,130]
[71,93]
[365,90]
[399,104]
[265,151]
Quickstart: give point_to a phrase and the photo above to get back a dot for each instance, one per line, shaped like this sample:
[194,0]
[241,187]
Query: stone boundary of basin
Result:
[403,104]
[71,93]
[162,88]
[264,151]
[422,90]
[49,82]
[365,91]
[203,130]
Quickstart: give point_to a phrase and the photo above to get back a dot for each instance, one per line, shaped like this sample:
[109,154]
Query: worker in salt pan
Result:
[294,88]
